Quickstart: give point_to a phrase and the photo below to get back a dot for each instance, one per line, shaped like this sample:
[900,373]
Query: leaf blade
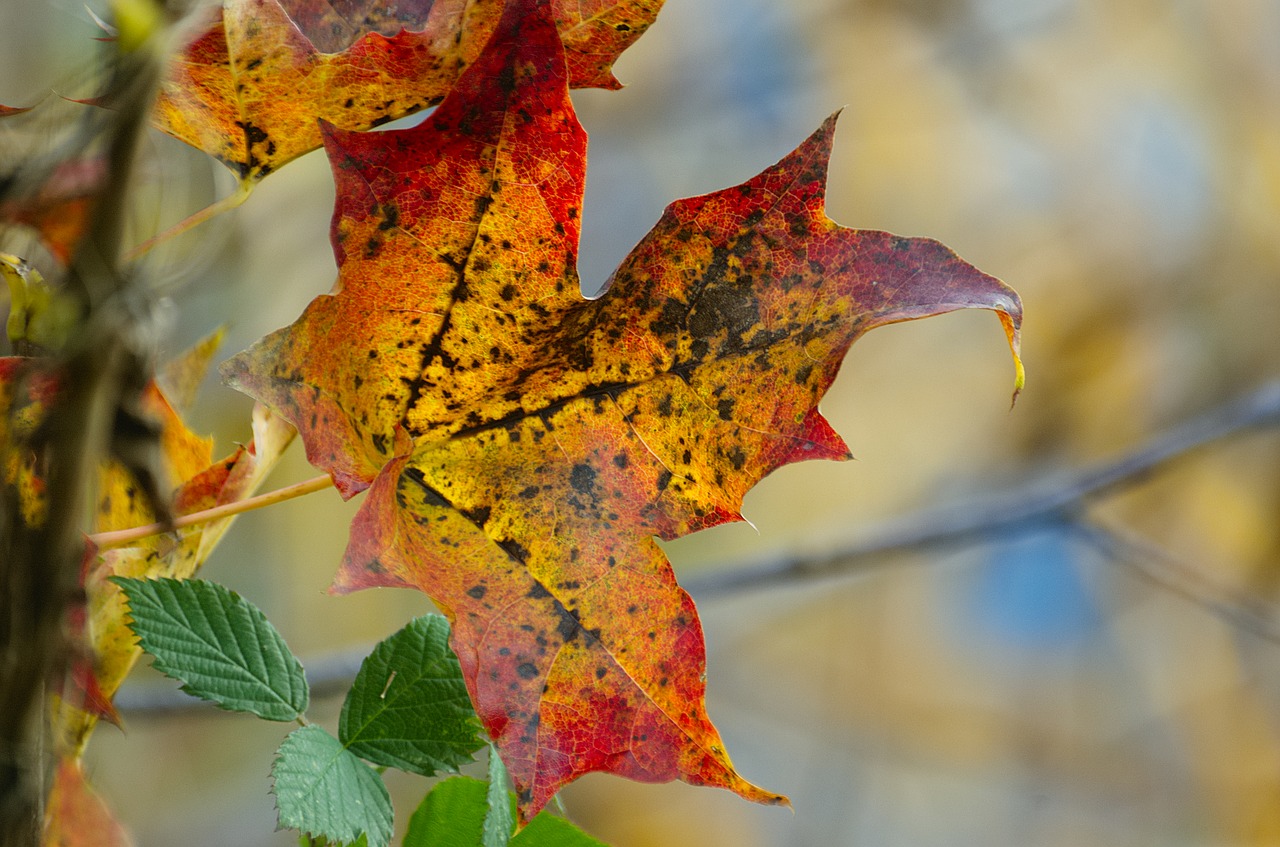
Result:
[221,647]
[451,815]
[322,789]
[499,816]
[408,707]
[524,447]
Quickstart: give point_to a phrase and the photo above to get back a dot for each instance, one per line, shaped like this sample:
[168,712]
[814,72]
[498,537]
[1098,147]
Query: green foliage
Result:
[218,645]
[499,817]
[322,789]
[451,815]
[408,707]
[455,812]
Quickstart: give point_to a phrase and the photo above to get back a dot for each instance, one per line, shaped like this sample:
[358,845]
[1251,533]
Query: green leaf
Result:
[548,831]
[321,841]
[451,815]
[218,645]
[322,789]
[499,818]
[408,707]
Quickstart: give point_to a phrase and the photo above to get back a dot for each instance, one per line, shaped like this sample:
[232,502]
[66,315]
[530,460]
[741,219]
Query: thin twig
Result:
[1231,604]
[121,537]
[226,204]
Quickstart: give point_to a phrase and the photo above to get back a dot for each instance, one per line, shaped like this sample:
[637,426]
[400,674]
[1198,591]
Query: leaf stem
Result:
[120,537]
[231,201]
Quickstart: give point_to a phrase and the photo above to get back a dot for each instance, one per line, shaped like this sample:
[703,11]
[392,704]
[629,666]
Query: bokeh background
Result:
[1118,162]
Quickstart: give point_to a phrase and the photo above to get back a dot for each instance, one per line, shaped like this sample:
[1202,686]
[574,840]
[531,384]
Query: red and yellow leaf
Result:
[59,208]
[523,447]
[76,816]
[250,88]
[112,648]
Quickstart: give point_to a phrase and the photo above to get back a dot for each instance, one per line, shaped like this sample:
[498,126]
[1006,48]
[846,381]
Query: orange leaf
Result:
[76,816]
[523,447]
[249,89]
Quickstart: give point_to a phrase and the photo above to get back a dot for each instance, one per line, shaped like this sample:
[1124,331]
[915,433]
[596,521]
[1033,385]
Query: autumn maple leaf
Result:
[523,446]
[249,88]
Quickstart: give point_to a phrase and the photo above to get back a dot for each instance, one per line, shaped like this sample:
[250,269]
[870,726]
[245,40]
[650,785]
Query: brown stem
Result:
[226,204]
[121,537]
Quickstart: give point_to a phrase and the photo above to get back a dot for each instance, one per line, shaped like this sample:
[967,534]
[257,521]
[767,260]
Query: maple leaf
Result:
[523,447]
[249,89]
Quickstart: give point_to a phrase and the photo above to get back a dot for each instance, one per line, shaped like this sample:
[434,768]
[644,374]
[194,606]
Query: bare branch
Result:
[1231,604]
[1051,499]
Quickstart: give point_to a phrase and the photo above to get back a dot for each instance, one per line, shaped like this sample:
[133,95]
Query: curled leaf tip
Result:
[1011,319]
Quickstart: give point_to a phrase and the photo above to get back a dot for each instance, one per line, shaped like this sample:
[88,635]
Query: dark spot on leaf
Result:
[527,670]
[478,516]
[569,625]
[429,495]
[515,550]
[477,591]
[538,591]
[582,478]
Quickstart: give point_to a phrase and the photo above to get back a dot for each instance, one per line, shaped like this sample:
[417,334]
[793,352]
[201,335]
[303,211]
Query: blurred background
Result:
[1116,161]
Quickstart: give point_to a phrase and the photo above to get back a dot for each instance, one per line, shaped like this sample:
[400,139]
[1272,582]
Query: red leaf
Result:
[525,446]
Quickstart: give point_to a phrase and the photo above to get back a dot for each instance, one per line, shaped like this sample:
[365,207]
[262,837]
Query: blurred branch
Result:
[1192,582]
[1058,499]
[99,376]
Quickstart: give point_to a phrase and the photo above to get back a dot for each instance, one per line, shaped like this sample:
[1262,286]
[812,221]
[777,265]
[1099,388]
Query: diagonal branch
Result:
[1233,605]
[1050,499]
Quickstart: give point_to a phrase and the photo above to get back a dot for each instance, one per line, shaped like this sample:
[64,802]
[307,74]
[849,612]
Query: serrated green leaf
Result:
[323,789]
[451,815]
[499,816]
[321,841]
[548,831]
[218,645]
[408,707]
